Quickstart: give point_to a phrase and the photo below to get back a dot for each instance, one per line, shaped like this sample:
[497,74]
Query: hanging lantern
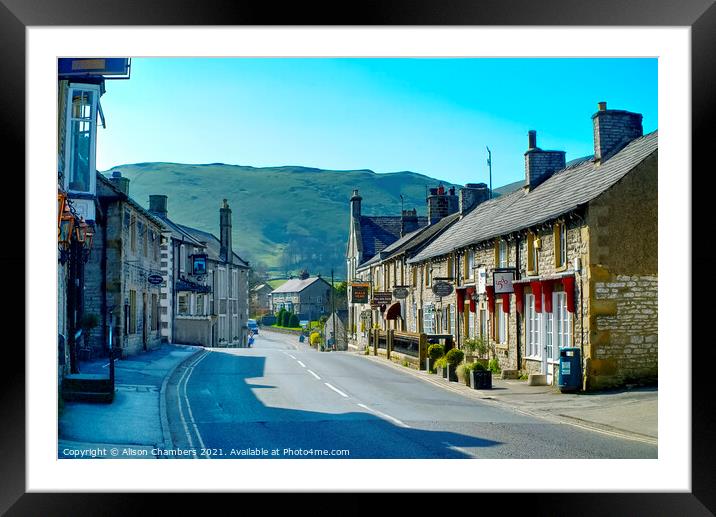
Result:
[81,231]
[61,202]
[67,224]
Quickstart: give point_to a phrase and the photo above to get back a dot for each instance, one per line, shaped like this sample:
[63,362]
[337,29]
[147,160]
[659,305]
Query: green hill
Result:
[287,218]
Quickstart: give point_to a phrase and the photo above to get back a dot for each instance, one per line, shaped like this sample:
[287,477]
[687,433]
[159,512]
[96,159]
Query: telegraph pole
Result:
[489,165]
[333,309]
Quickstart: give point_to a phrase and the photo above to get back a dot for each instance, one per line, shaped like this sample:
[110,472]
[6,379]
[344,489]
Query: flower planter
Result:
[451,373]
[481,380]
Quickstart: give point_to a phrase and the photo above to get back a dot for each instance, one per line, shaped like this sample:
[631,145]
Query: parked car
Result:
[253,326]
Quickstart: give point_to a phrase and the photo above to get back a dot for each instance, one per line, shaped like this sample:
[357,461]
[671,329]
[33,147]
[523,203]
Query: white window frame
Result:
[471,264]
[471,324]
[563,244]
[562,321]
[500,324]
[72,87]
[532,329]
[502,247]
[429,319]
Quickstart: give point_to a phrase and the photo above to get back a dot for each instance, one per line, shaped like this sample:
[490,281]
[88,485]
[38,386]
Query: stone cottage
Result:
[575,253]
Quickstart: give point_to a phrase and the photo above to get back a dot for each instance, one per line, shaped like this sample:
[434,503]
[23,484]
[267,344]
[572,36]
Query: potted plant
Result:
[441,367]
[453,357]
[463,372]
[480,377]
[435,352]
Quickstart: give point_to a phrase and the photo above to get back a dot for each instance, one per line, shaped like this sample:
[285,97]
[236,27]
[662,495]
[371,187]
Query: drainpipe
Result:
[518,322]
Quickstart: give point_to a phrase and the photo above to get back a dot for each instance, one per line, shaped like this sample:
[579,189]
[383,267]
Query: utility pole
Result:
[333,309]
[489,165]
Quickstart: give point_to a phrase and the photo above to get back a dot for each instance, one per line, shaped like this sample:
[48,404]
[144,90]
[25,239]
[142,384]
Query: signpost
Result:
[359,292]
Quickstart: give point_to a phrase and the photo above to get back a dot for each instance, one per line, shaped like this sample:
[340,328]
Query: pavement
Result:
[625,413]
[134,424]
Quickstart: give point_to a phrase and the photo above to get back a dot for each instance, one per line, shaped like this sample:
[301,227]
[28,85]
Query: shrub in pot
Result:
[480,377]
[441,367]
[435,352]
[453,357]
[463,373]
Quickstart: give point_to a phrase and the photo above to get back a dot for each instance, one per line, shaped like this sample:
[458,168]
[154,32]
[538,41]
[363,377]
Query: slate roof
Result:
[213,245]
[378,232]
[296,285]
[119,194]
[178,233]
[414,240]
[566,190]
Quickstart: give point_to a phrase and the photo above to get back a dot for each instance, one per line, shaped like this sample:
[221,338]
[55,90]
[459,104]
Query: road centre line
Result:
[384,415]
[458,449]
[303,365]
[314,374]
[336,390]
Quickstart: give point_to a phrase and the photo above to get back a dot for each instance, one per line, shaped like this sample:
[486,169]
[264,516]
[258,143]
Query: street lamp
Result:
[64,234]
[84,236]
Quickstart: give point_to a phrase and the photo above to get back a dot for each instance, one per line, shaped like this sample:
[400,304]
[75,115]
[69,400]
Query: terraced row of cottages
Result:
[577,242]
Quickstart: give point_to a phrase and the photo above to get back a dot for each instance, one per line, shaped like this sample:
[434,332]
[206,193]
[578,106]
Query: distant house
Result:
[260,303]
[309,297]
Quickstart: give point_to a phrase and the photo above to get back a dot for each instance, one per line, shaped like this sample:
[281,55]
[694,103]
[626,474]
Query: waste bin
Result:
[570,369]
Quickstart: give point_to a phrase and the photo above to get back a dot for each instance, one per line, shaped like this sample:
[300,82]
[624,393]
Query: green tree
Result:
[293,321]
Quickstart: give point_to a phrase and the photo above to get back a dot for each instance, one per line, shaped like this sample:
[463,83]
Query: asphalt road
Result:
[282,399]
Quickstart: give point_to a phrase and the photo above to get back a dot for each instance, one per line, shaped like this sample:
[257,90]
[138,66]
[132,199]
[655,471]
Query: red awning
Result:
[568,282]
[506,302]
[547,288]
[460,297]
[536,286]
[392,312]
[519,297]
[490,291]
[468,294]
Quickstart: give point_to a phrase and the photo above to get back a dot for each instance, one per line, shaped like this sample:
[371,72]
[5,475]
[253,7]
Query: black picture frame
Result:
[699,15]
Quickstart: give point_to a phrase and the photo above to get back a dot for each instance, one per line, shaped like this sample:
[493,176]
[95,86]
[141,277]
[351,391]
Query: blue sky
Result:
[432,116]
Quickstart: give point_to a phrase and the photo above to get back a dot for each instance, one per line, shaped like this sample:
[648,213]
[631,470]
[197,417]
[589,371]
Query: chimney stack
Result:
[613,130]
[441,204]
[408,222]
[539,164]
[355,204]
[471,195]
[225,252]
[158,205]
[122,184]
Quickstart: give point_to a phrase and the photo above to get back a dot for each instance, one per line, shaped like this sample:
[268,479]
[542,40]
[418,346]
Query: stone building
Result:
[579,241]
[307,297]
[260,300]
[207,283]
[81,84]
[117,287]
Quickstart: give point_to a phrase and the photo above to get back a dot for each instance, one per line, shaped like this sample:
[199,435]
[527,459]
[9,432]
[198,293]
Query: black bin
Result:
[570,369]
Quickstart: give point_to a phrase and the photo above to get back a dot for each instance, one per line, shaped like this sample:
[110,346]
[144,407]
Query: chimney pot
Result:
[602,106]
[531,139]
[158,204]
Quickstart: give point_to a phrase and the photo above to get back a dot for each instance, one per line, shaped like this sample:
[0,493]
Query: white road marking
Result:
[303,365]
[459,449]
[336,390]
[292,357]
[312,373]
[106,365]
[188,406]
[385,415]
[181,413]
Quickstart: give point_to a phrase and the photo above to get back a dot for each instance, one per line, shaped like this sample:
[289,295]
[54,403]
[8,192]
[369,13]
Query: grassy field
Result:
[280,214]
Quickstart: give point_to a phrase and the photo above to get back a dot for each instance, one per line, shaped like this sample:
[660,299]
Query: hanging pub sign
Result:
[400,293]
[502,280]
[155,279]
[198,265]
[359,292]
[481,280]
[442,289]
[381,298]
